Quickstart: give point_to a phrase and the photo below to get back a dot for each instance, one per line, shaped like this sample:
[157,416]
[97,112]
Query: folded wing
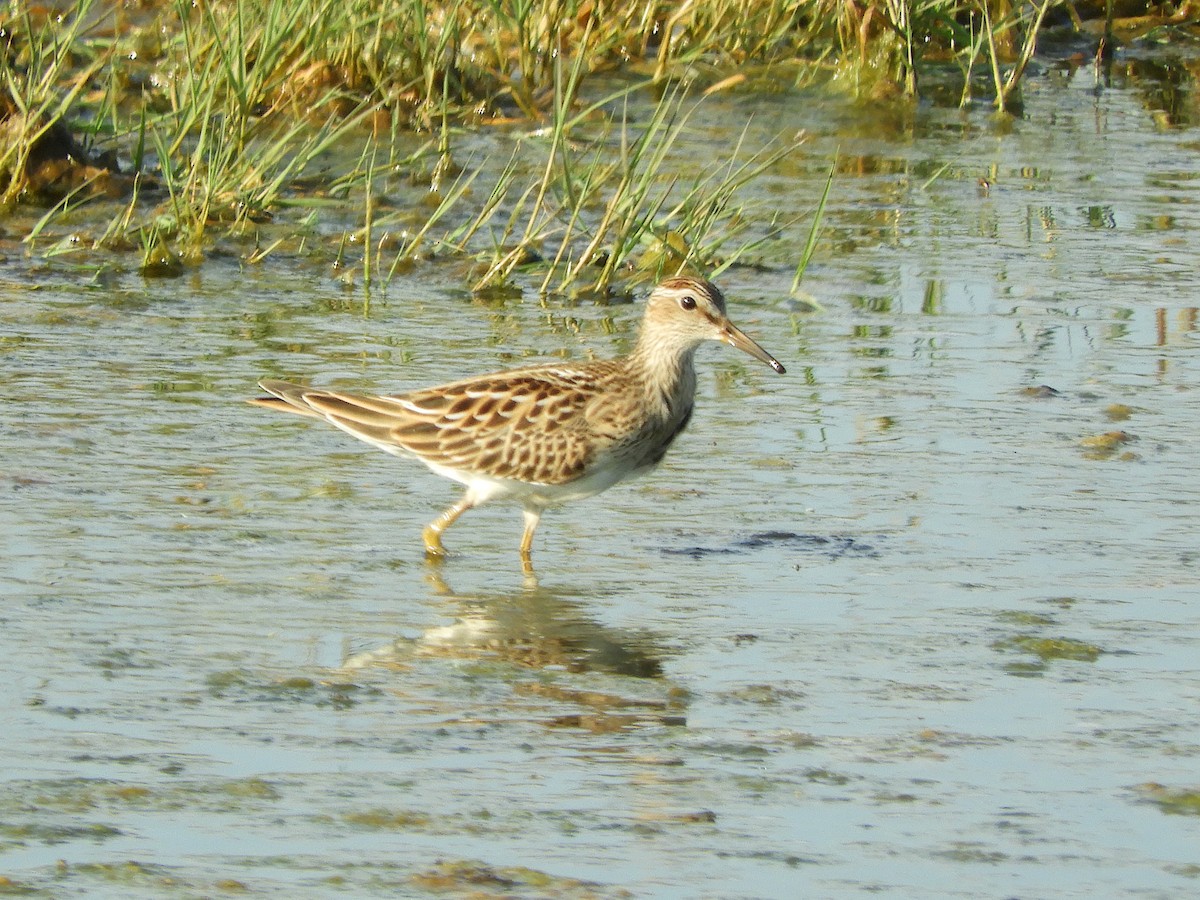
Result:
[529,426]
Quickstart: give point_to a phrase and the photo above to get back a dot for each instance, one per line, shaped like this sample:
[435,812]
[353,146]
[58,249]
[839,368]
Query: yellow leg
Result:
[532,517]
[433,531]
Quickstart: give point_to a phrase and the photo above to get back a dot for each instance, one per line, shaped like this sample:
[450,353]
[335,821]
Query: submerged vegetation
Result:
[292,126]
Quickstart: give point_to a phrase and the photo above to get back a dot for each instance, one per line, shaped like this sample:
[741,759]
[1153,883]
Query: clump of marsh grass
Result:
[226,114]
[223,155]
[883,45]
[1008,86]
[42,76]
[599,213]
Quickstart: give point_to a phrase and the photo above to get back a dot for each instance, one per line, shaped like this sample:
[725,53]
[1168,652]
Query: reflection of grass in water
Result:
[1041,649]
[468,877]
[46,833]
[1173,801]
[231,113]
[1044,650]
[1057,648]
[1020,617]
[389,819]
[247,686]
[74,810]
[970,852]
[129,873]
[79,795]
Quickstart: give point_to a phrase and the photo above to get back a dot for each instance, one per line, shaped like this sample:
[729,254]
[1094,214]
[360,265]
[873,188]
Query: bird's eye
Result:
[687,302]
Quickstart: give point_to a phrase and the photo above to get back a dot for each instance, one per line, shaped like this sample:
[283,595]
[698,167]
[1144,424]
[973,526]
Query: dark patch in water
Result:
[833,546]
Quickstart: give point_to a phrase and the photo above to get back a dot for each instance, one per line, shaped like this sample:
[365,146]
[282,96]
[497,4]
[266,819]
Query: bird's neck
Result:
[667,373]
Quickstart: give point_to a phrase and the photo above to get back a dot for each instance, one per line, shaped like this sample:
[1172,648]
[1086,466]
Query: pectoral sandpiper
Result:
[548,434]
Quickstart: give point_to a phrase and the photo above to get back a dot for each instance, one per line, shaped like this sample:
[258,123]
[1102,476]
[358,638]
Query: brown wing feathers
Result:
[472,426]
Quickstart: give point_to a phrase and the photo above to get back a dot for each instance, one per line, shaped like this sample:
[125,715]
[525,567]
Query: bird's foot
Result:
[434,549]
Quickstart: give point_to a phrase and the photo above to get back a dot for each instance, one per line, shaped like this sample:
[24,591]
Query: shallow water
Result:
[896,622]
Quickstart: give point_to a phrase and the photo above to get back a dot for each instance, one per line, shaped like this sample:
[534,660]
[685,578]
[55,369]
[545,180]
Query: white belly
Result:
[482,488]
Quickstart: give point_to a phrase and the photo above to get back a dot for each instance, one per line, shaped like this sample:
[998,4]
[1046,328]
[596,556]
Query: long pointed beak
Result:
[735,337]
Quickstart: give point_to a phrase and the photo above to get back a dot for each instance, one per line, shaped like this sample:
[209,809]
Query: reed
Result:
[229,115]
[44,72]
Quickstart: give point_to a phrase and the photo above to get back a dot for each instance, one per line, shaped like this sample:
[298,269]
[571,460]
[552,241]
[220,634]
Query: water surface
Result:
[917,618]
